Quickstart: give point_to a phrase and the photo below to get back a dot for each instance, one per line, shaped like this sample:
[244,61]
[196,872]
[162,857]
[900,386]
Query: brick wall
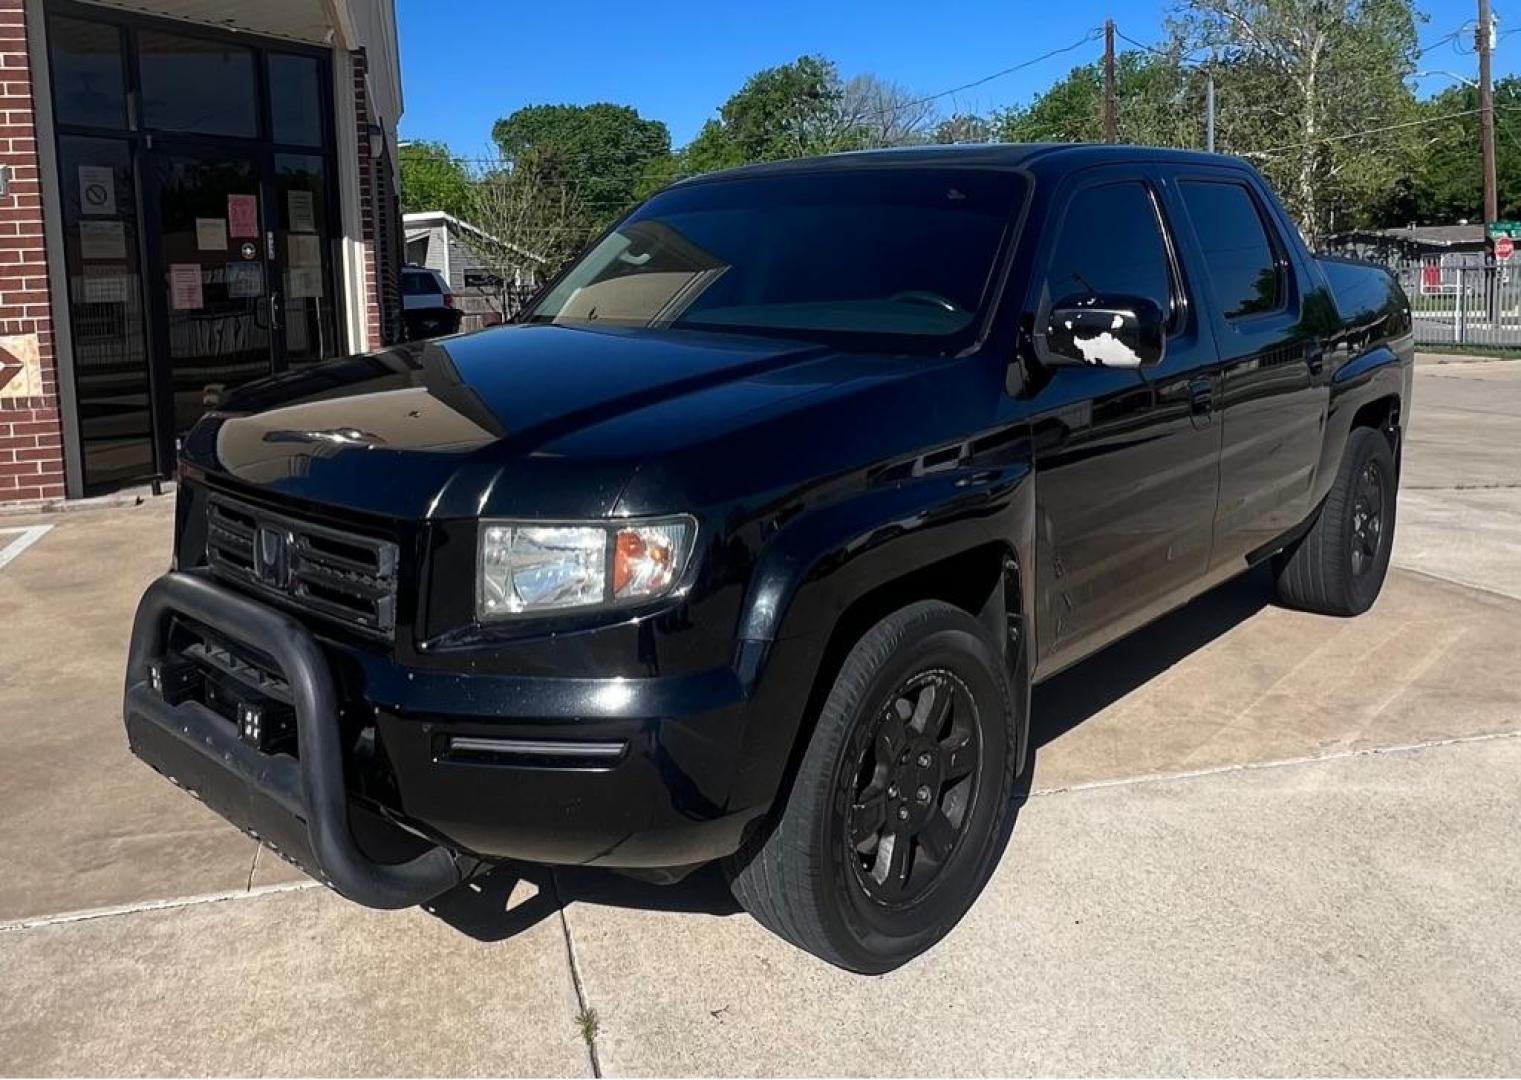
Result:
[379,223]
[31,437]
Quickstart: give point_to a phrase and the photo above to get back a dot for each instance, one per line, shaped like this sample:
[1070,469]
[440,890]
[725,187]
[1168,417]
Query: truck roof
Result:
[1058,157]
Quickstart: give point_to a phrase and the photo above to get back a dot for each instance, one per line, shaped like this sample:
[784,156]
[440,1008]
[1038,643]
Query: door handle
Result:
[1315,357]
[1201,395]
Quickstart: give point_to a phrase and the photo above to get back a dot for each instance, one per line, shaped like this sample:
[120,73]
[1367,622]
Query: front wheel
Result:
[1338,567]
[894,818]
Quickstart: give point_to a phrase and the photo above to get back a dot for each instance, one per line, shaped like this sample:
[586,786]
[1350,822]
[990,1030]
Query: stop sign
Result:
[1505,247]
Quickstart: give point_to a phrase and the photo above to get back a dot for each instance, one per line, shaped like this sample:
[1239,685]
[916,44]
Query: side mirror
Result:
[1105,331]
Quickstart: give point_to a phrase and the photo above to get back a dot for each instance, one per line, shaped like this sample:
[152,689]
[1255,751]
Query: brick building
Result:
[193,194]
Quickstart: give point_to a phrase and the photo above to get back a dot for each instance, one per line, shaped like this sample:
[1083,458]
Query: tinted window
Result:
[418,284]
[190,84]
[1111,242]
[1236,250]
[295,100]
[88,82]
[905,253]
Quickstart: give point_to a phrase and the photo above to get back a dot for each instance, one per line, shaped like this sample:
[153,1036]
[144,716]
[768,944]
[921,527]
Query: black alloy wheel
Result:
[897,813]
[1338,566]
[1367,518]
[915,784]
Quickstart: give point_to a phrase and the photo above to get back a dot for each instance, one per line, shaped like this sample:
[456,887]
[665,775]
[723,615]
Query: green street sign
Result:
[1511,229]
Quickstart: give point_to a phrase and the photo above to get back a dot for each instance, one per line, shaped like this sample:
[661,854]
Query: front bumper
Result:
[653,773]
[297,805]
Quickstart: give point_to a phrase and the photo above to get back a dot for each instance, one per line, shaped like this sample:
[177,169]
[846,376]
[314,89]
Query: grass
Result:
[1499,352]
[587,1021]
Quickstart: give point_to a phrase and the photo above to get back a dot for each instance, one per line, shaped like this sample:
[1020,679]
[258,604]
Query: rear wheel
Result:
[893,821]
[1338,567]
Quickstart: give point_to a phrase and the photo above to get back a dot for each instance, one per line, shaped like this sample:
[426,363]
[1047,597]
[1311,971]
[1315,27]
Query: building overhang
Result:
[312,22]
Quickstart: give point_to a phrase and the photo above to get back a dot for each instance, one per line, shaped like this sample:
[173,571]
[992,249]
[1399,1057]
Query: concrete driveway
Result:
[1256,841]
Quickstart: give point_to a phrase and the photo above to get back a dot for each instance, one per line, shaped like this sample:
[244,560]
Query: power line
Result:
[1359,134]
[1093,34]
[1159,52]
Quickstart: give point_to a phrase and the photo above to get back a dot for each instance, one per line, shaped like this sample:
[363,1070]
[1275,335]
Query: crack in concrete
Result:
[170,904]
[1462,487]
[586,1016]
[1277,763]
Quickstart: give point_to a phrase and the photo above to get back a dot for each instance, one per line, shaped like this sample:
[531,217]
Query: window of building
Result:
[295,99]
[1111,243]
[1237,253]
[89,76]
[198,86]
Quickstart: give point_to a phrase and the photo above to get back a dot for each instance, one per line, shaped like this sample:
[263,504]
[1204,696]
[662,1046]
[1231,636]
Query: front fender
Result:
[828,559]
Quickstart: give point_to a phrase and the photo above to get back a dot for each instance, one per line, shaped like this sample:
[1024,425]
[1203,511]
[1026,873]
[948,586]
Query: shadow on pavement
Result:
[1063,702]
[480,907]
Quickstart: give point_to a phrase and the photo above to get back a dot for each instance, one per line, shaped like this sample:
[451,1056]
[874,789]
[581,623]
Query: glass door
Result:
[308,318]
[219,319]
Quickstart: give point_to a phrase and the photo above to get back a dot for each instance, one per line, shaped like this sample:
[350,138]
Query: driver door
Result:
[1126,459]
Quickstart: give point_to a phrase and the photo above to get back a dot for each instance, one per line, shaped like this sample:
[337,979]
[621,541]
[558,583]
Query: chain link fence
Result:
[1460,300]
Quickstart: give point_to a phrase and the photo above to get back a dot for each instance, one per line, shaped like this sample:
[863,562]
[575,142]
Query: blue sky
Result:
[467,62]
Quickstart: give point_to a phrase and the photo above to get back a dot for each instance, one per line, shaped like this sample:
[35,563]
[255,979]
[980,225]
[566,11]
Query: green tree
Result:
[781,112]
[432,179]
[603,151]
[1154,105]
[963,128]
[1446,183]
[1312,91]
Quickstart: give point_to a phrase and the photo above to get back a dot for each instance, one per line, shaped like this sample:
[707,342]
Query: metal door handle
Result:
[1315,357]
[1201,395]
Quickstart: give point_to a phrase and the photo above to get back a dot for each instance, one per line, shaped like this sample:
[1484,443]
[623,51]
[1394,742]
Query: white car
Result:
[427,303]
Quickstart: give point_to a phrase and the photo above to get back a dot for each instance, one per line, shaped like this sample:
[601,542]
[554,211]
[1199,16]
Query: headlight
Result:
[524,568]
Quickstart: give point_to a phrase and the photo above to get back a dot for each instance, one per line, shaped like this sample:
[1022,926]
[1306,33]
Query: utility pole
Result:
[1484,40]
[1209,109]
[1110,134]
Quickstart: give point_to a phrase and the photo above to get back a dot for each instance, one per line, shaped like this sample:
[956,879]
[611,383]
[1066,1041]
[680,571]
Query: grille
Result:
[342,576]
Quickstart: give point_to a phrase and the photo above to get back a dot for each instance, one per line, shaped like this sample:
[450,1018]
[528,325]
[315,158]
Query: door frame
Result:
[157,310]
[143,141]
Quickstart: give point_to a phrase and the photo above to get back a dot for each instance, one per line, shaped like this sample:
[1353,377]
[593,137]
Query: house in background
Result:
[1445,243]
[193,194]
[467,257]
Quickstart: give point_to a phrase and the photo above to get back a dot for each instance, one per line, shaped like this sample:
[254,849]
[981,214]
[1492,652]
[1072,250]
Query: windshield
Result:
[905,253]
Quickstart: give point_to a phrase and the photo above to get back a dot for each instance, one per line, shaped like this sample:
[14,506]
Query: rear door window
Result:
[1238,254]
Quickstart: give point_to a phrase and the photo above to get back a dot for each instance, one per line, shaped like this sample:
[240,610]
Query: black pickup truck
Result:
[748,542]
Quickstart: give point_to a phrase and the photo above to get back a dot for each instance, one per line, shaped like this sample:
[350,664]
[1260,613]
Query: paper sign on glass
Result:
[185,287]
[102,240]
[210,234]
[304,281]
[97,189]
[305,249]
[299,207]
[105,285]
[244,280]
[242,216]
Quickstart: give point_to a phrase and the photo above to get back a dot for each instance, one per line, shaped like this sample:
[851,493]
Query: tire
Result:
[844,897]
[1338,567]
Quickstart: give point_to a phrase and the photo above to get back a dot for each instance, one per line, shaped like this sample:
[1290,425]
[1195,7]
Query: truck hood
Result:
[486,421]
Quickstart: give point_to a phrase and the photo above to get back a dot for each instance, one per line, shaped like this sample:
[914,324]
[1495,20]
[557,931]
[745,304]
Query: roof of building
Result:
[429,219]
[1432,235]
